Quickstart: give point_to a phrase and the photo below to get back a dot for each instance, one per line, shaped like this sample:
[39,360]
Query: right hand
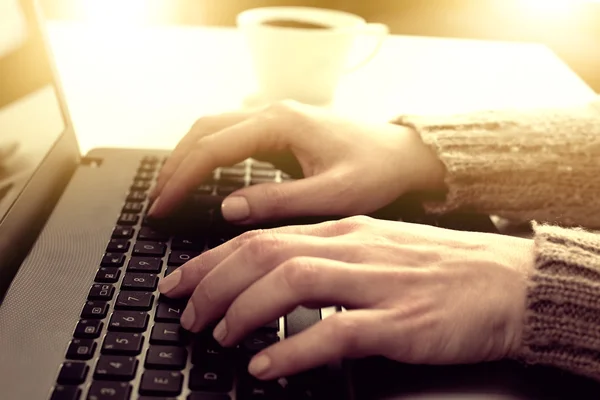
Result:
[349,167]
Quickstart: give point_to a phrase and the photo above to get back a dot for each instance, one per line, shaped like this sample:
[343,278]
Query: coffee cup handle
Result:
[371,29]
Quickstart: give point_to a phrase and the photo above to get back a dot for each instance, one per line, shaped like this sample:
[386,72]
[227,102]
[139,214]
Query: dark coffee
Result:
[293,23]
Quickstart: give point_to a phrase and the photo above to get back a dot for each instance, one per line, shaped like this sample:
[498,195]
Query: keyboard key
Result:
[72,372]
[258,181]
[204,189]
[62,392]
[81,349]
[114,260]
[100,390]
[100,291]
[161,383]
[138,281]
[107,275]
[273,325]
[123,232]
[143,248]
[144,264]
[115,368]
[147,233]
[209,396]
[144,176]
[225,190]
[233,172]
[181,257]
[187,243]
[166,333]
[122,343]
[128,219]
[259,340]
[88,329]
[146,167]
[166,357]
[118,246]
[136,196]
[207,351]
[157,398]
[264,173]
[140,301]
[171,269]
[167,312]
[132,207]
[140,186]
[211,378]
[128,321]
[249,387]
[94,310]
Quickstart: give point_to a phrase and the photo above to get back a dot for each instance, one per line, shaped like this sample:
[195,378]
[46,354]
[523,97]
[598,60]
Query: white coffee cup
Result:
[299,63]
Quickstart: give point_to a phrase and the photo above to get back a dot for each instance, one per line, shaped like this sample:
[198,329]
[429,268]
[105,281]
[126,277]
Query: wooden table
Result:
[144,86]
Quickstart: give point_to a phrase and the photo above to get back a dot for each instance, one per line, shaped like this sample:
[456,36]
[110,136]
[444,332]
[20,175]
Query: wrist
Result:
[431,172]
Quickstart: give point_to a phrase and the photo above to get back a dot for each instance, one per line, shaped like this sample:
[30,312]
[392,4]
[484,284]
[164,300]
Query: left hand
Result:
[415,293]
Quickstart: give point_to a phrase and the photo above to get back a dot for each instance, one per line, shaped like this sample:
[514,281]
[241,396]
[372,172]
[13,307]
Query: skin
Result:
[414,293]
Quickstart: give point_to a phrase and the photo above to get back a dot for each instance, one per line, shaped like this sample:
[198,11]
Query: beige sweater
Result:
[541,165]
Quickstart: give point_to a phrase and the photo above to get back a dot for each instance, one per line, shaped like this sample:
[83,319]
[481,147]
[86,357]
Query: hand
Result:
[349,167]
[415,293]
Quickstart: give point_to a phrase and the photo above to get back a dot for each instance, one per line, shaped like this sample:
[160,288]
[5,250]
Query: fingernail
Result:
[259,365]
[235,208]
[220,331]
[188,317]
[154,206]
[170,282]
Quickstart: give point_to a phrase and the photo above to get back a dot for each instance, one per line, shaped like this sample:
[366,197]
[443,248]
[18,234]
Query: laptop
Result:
[80,315]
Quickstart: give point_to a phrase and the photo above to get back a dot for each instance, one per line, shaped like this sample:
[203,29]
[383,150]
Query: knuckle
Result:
[260,250]
[354,224]
[299,274]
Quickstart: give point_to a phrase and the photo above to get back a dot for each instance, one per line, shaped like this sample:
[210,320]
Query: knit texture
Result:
[522,165]
[562,321]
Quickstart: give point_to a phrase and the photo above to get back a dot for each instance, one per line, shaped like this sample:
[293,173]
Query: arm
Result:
[562,321]
[523,165]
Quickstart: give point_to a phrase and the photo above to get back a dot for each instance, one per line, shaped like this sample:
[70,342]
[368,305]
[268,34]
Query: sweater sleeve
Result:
[562,320]
[522,165]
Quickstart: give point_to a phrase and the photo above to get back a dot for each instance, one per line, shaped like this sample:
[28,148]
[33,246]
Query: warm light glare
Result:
[554,6]
[119,12]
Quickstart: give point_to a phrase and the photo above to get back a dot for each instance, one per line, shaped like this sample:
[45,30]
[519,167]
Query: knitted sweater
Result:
[543,166]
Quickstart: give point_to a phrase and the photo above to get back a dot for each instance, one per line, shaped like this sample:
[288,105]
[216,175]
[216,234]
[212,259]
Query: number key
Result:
[122,343]
[141,301]
[128,321]
[144,248]
[181,257]
[107,390]
[137,281]
[144,264]
[118,368]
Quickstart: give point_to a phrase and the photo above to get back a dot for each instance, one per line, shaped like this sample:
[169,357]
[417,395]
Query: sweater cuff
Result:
[562,320]
[519,164]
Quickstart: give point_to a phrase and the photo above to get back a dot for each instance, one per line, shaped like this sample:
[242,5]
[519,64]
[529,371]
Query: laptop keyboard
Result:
[128,343]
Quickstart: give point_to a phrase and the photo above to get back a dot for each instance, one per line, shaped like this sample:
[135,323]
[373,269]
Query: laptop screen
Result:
[31,120]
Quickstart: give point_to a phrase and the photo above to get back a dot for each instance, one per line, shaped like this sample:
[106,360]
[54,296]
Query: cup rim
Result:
[242,19]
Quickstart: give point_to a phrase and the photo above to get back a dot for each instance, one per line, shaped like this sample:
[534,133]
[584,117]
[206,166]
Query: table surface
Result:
[144,86]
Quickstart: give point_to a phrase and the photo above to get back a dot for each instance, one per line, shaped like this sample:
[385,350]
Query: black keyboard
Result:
[128,343]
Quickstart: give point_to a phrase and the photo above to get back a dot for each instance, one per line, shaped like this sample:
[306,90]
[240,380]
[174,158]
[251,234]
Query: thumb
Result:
[265,202]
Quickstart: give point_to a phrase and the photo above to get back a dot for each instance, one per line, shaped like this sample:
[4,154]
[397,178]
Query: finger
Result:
[311,196]
[349,334]
[184,280]
[204,126]
[220,287]
[231,145]
[297,281]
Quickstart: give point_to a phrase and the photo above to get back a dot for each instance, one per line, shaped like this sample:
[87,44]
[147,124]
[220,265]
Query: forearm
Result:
[562,323]
[524,165]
